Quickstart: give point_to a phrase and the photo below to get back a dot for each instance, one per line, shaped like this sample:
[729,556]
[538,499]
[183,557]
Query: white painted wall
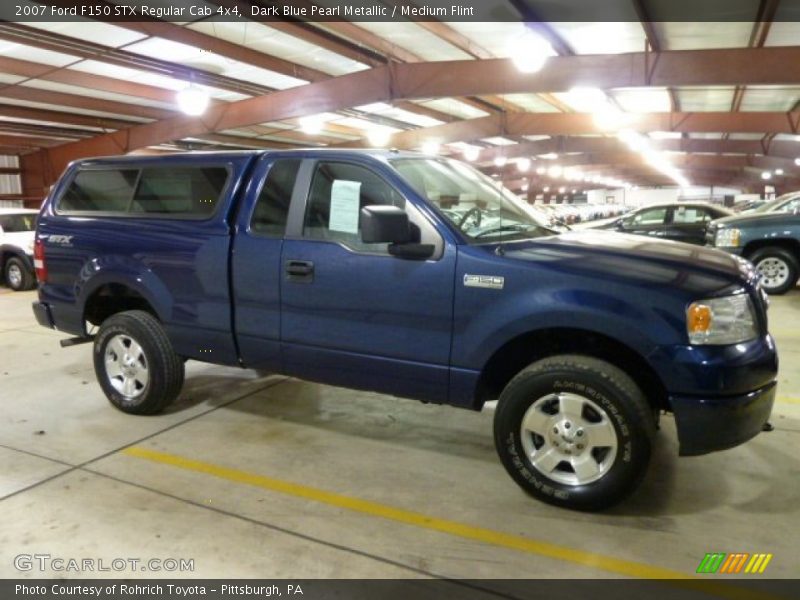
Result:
[645,196]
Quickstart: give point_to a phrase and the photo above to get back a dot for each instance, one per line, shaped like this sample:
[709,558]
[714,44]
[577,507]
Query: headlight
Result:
[721,321]
[727,238]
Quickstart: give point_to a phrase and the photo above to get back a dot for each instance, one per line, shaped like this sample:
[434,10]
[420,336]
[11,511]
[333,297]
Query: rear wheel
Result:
[18,276]
[135,363]
[574,431]
[778,269]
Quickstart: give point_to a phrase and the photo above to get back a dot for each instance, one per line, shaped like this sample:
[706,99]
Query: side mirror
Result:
[390,225]
[384,225]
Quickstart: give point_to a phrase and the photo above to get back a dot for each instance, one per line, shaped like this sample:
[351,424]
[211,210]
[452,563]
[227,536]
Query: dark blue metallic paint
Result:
[407,327]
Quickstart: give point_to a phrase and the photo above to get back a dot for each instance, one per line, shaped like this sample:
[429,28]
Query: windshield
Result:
[777,204]
[477,205]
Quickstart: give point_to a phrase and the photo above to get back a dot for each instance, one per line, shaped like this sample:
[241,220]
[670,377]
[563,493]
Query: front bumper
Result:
[710,424]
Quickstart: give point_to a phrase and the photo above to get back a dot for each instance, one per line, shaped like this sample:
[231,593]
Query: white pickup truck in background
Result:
[17,233]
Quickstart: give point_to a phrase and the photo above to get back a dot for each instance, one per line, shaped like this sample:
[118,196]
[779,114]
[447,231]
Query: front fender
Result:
[637,325]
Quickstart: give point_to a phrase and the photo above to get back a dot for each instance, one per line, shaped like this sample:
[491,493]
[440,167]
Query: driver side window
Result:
[338,193]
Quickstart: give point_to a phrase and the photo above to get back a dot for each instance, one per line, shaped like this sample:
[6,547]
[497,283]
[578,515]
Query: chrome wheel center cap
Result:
[566,437]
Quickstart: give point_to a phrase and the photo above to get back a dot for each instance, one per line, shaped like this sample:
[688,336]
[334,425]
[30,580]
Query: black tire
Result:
[18,276]
[159,369]
[625,413]
[774,261]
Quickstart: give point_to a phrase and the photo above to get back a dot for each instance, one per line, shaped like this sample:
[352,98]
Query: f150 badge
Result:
[491,282]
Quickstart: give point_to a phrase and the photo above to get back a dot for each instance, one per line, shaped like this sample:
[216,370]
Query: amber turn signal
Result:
[698,318]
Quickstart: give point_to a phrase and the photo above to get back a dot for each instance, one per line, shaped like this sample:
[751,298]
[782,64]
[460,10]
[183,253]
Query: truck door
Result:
[256,260]
[352,314]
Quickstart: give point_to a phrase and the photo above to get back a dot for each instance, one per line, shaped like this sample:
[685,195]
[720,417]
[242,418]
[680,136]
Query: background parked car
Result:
[768,239]
[681,222]
[787,203]
[17,232]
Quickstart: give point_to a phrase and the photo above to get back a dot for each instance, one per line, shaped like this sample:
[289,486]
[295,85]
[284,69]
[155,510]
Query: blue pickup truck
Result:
[413,276]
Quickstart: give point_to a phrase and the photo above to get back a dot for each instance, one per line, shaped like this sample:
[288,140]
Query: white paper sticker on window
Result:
[345,206]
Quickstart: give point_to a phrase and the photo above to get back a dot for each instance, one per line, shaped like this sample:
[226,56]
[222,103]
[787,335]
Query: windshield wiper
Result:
[507,227]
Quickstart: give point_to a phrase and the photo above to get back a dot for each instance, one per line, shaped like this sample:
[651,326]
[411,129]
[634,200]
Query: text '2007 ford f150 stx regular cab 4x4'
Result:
[413,276]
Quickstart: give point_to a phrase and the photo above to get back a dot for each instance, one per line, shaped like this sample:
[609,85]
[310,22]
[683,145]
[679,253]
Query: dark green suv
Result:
[769,237]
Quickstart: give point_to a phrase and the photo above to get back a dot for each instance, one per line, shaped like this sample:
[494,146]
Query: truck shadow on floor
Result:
[672,486]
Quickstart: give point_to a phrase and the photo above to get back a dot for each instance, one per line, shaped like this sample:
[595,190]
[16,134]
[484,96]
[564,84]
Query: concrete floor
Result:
[275,478]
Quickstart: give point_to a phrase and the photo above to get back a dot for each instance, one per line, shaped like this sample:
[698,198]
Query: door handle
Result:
[300,271]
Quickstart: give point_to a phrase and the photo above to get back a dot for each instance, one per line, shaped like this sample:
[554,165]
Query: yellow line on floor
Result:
[480,534]
[788,399]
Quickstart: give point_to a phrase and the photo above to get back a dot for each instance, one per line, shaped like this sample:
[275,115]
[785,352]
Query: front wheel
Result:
[778,269]
[135,363]
[574,431]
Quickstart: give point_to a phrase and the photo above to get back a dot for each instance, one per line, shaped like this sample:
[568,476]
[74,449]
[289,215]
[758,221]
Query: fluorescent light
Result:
[431,147]
[529,52]
[585,99]
[766,175]
[472,153]
[561,190]
[500,161]
[312,125]
[542,170]
[574,191]
[549,156]
[523,164]
[379,136]
[797,161]
[610,118]
[555,171]
[192,100]
[634,140]
[524,187]
[778,171]
[546,188]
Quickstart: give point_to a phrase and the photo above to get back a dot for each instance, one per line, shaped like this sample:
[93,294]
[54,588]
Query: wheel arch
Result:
[789,244]
[526,348]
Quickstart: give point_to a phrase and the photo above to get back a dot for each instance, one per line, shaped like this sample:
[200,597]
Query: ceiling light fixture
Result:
[766,175]
[778,171]
[379,137]
[312,125]
[192,100]
[431,148]
[529,52]
[523,164]
[500,161]
[472,153]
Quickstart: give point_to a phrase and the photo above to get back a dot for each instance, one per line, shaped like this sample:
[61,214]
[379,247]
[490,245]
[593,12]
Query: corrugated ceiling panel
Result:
[770,98]
[413,38]
[695,36]
[705,98]
[261,37]
[602,38]
[86,29]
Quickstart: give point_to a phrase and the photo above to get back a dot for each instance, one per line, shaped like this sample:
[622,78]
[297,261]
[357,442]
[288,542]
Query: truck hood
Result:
[754,219]
[617,257]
